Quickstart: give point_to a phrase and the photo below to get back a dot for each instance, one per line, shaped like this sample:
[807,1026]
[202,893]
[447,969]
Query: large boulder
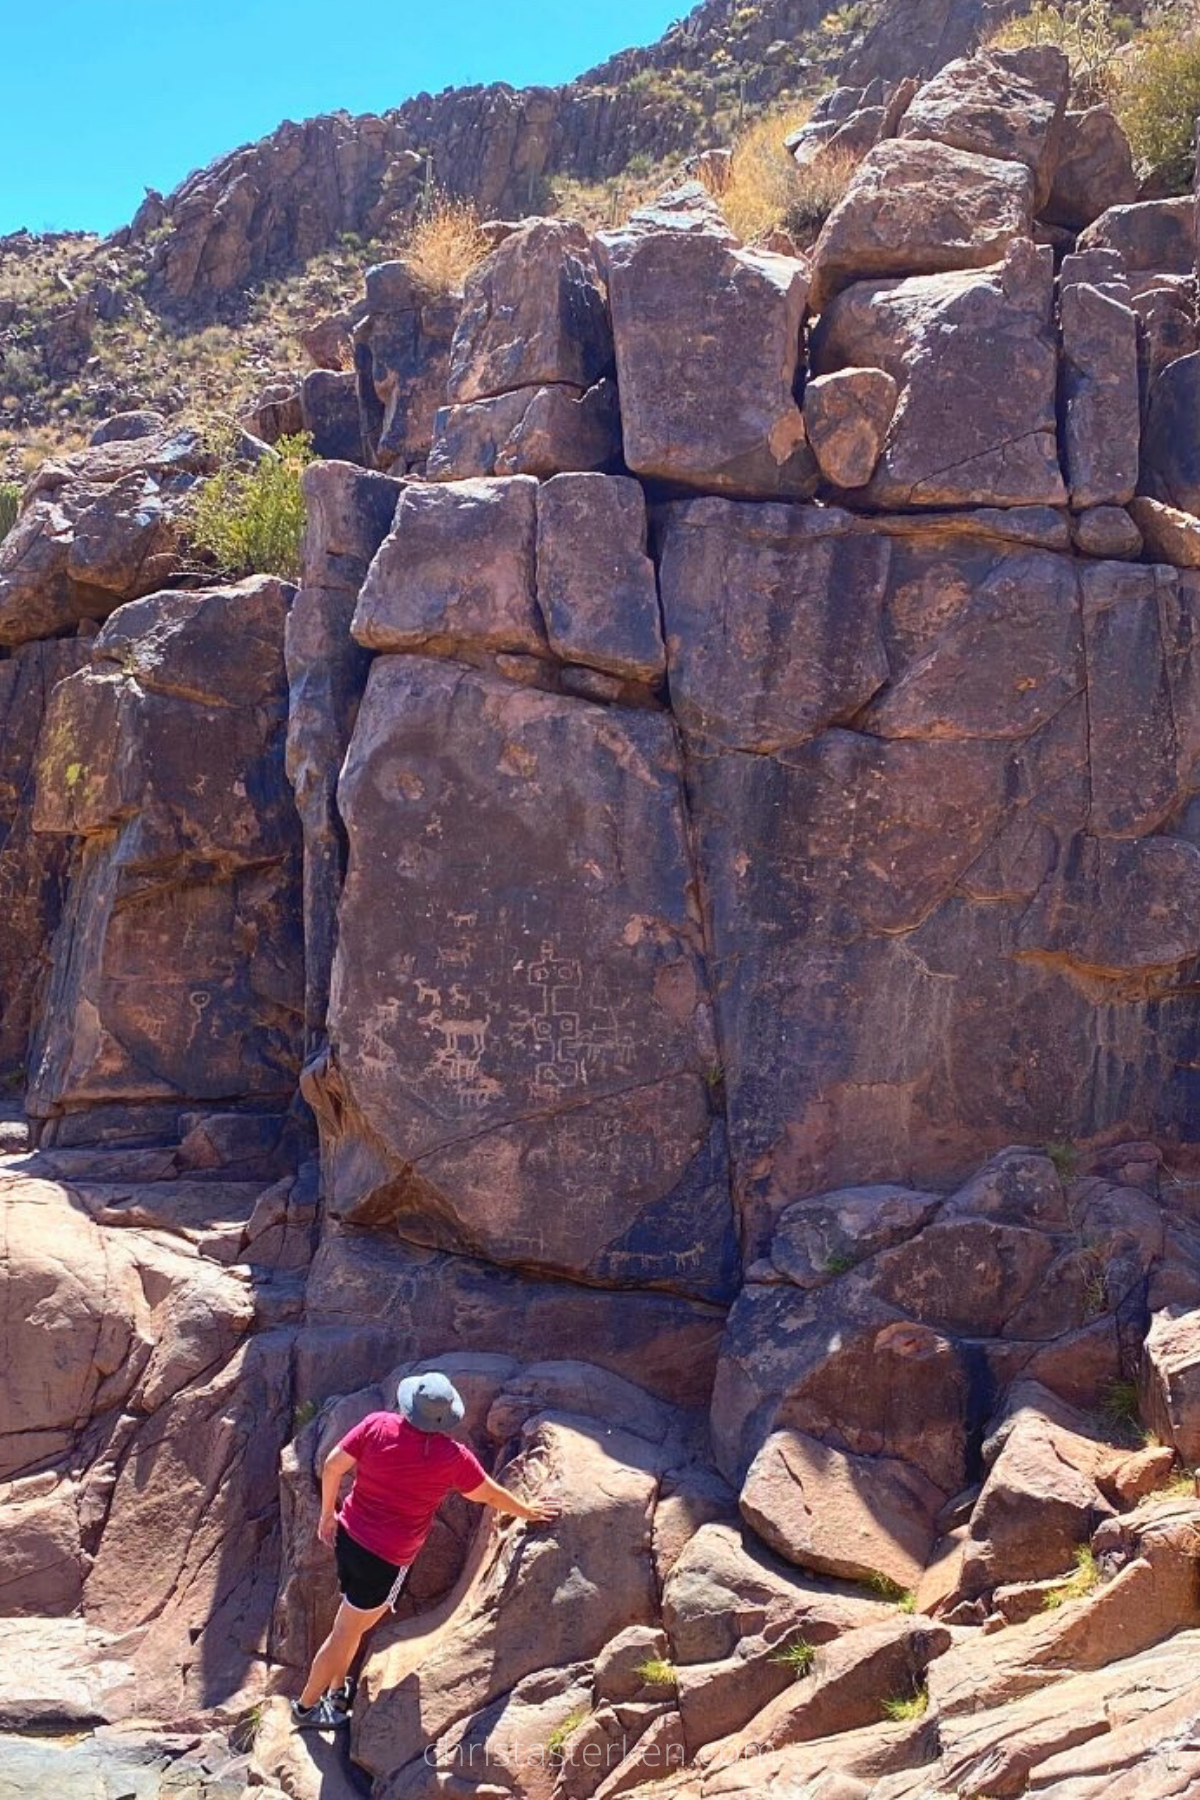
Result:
[858,1517]
[1099,378]
[540,431]
[1170,470]
[548,1104]
[1094,172]
[534,313]
[712,409]
[458,568]
[178,975]
[975,359]
[846,415]
[916,208]
[596,585]
[1041,1499]
[98,527]
[401,359]
[1005,103]
[329,413]
[1151,235]
[567,1591]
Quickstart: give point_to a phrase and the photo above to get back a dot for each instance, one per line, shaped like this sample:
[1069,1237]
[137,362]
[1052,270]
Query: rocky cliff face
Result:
[687,917]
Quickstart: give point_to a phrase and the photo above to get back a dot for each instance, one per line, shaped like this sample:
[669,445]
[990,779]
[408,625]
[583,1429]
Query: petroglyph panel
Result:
[520,1023]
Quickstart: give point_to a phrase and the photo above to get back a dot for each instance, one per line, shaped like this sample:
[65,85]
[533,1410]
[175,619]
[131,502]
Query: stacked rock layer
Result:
[713,841]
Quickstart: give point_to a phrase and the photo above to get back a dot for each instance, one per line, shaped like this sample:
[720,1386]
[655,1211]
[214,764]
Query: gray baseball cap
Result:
[430,1402]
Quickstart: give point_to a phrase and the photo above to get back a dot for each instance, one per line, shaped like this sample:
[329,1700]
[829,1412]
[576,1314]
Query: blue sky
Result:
[101,99]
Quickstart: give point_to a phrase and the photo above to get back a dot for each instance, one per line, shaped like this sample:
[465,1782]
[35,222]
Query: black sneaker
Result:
[324,1716]
[343,1697]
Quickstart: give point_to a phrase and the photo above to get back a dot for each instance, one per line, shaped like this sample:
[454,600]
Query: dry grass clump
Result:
[445,243]
[763,190]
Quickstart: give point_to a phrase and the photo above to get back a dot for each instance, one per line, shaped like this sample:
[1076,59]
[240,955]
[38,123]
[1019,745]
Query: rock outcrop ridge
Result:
[692,926]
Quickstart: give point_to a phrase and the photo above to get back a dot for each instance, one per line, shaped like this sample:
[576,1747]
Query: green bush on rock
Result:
[10,501]
[249,518]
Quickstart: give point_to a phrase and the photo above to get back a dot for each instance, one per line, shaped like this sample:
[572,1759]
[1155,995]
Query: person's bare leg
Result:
[331,1664]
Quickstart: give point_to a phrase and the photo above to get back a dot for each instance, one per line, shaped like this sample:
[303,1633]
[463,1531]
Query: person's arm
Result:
[490,1493]
[337,1464]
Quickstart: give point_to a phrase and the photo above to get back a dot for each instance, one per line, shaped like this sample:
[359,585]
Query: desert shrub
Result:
[1150,77]
[798,1657]
[1088,32]
[817,191]
[762,190]
[656,1671]
[1156,96]
[249,518]
[444,243]
[21,371]
[556,1743]
[10,500]
[907,1706]
[1076,1586]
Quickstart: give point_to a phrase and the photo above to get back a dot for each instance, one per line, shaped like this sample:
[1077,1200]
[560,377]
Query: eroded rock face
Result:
[580,1583]
[177,971]
[97,528]
[373,1301]
[94,1317]
[401,358]
[749,668]
[691,412]
[533,313]
[962,428]
[1003,103]
[916,208]
[350,512]
[577,1057]
[33,872]
[847,415]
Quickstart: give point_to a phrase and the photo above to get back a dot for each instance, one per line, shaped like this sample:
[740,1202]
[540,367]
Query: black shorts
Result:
[366,1580]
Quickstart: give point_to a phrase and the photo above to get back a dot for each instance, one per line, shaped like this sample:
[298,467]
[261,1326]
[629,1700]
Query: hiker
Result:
[404,1466]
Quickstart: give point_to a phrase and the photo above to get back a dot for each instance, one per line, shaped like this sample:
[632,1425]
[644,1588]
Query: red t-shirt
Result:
[403,1475]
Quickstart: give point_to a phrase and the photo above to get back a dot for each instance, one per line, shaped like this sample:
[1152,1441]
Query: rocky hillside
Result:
[686,916]
[200,300]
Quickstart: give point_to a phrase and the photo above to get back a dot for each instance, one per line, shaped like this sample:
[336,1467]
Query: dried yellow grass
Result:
[762,190]
[445,243]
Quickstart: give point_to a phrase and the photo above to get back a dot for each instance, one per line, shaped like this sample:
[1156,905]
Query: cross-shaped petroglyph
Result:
[568,1036]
